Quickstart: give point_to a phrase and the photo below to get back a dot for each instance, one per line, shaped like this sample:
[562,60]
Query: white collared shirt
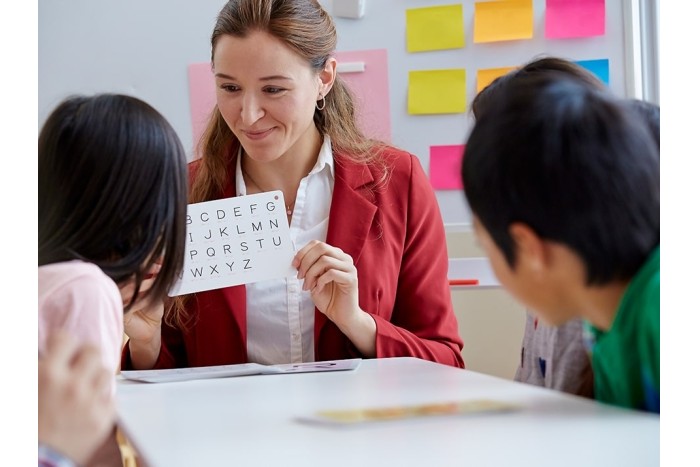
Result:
[279,314]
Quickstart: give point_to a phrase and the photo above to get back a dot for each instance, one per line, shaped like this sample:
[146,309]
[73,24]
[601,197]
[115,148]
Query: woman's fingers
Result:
[312,252]
[341,278]
[324,265]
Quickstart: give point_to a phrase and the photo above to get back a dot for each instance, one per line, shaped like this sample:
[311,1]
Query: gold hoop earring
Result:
[323,103]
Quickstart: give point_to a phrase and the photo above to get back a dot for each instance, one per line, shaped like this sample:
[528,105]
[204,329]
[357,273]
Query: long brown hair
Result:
[308,30]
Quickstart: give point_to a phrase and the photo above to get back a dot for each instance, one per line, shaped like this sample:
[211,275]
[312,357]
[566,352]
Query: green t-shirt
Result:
[626,358]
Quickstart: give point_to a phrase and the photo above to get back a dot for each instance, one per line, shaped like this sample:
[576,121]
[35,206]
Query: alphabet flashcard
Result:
[235,241]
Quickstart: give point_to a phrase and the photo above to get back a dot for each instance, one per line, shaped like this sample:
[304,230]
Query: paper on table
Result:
[241,369]
[390,413]
[235,241]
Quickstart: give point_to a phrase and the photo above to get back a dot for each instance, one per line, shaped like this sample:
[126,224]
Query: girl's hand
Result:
[142,322]
[76,408]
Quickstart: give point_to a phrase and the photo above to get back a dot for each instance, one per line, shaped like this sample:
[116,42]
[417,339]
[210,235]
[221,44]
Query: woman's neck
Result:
[285,172]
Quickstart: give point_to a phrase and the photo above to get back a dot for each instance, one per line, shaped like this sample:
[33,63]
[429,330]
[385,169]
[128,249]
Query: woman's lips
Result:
[258,135]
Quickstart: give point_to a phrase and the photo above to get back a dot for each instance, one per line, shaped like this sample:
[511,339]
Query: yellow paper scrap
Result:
[503,20]
[486,76]
[434,28]
[437,91]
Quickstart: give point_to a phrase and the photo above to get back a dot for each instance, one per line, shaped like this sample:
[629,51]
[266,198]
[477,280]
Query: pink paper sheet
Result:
[446,167]
[371,89]
[574,18]
[202,97]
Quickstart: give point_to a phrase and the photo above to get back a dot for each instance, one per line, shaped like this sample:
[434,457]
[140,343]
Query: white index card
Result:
[235,241]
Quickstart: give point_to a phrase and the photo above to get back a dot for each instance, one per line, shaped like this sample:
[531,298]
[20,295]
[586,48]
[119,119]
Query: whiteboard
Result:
[143,48]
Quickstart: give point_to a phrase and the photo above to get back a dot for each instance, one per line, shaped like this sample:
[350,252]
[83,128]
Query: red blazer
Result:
[396,238]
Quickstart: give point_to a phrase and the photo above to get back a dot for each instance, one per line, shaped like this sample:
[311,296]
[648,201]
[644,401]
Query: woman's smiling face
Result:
[266,93]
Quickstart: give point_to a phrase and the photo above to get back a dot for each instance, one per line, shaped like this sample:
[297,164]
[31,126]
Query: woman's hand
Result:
[331,277]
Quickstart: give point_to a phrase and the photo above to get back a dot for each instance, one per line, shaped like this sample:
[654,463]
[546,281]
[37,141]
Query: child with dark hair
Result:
[651,116]
[567,208]
[112,206]
[112,202]
[554,357]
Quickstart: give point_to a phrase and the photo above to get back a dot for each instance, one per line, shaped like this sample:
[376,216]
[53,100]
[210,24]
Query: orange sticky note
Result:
[487,75]
[437,91]
[503,20]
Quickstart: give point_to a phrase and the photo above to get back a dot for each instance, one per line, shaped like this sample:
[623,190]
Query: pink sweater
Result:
[79,298]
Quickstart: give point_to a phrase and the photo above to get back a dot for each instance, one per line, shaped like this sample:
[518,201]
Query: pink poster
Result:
[574,18]
[202,97]
[367,76]
[371,89]
[446,167]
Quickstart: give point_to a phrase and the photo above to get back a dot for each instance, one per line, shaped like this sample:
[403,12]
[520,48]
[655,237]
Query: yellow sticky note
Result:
[434,28]
[487,75]
[437,91]
[503,20]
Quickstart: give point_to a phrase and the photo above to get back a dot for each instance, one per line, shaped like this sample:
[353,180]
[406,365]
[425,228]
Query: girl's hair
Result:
[113,190]
[306,28]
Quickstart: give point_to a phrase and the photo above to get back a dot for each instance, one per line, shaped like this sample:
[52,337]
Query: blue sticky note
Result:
[600,68]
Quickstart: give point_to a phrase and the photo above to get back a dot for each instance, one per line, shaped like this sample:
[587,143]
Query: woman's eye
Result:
[229,87]
[273,90]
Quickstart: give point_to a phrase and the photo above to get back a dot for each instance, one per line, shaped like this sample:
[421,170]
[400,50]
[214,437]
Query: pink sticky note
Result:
[371,90]
[202,97]
[446,167]
[574,18]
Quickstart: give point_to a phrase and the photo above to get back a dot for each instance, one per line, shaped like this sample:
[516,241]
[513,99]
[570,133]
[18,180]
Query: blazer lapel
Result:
[351,216]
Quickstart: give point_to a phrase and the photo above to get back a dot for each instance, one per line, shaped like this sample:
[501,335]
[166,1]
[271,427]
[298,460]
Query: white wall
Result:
[143,47]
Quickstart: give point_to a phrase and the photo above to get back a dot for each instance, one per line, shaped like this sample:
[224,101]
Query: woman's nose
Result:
[251,110]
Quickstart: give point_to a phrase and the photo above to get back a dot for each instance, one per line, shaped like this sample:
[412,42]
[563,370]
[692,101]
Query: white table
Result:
[472,268]
[251,421]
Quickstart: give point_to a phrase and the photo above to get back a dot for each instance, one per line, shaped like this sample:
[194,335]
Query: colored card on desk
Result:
[390,413]
[235,241]
[241,369]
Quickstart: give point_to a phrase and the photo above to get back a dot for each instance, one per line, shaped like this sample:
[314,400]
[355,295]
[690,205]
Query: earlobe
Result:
[327,75]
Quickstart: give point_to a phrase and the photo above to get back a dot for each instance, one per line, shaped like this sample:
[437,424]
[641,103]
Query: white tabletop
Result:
[472,268]
[252,420]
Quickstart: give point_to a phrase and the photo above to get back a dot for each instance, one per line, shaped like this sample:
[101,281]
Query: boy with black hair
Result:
[554,357]
[563,183]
